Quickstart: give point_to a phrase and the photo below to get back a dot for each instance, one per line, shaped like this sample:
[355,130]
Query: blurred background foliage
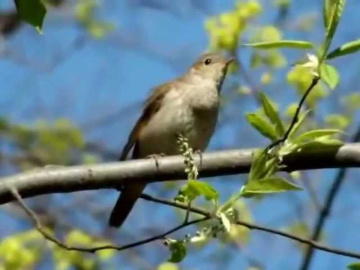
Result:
[71,95]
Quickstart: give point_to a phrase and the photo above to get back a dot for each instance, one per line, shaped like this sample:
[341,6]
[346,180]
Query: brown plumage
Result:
[130,194]
[188,105]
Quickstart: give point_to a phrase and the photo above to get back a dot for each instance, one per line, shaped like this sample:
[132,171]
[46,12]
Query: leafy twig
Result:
[325,211]
[63,245]
[252,226]
[295,118]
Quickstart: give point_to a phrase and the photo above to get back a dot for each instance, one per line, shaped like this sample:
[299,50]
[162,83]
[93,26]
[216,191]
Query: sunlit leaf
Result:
[292,44]
[257,165]
[168,266]
[345,49]
[261,125]
[319,145]
[194,189]
[269,185]
[329,75]
[272,114]
[314,134]
[337,121]
[336,9]
[327,11]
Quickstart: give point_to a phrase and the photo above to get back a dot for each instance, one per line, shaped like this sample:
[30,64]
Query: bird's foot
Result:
[156,157]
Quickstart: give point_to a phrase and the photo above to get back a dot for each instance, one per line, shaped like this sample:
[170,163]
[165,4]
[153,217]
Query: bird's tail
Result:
[125,203]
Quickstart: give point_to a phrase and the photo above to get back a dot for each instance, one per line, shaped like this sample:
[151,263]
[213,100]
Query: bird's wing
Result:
[152,106]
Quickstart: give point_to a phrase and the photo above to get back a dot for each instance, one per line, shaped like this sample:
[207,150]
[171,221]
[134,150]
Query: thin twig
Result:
[252,226]
[295,118]
[61,244]
[325,211]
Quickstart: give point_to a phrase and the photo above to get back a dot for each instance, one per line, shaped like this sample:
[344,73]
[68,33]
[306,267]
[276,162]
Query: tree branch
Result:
[252,226]
[295,118]
[48,236]
[206,216]
[112,175]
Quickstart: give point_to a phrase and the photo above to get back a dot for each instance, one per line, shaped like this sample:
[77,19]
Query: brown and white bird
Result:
[189,106]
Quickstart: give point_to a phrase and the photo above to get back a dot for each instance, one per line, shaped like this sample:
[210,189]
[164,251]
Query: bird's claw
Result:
[156,157]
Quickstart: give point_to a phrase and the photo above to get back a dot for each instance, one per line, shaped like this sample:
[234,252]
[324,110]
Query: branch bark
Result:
[112,175]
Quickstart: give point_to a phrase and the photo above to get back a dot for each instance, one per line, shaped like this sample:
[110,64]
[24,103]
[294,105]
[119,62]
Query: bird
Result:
[188,105]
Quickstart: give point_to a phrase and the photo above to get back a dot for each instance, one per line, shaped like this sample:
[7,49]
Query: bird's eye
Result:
[207,61]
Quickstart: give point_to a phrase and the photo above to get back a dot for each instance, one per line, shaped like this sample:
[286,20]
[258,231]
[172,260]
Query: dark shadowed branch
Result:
[47,235]
[206,216]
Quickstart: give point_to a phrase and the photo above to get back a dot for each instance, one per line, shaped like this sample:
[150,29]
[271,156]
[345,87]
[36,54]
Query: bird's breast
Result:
[178,115]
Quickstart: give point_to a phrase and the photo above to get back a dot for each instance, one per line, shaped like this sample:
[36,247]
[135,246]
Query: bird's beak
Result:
[229,61]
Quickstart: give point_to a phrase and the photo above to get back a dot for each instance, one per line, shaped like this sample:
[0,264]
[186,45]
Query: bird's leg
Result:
[156,157]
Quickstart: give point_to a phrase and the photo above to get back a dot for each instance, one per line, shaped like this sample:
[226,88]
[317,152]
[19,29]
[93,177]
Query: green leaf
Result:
[168,266]
[261,125]
[31,11]
[354,266]
[272,114]
[293,44]
[263,165]
[347,48]
[298,124]
[335,9]
[257,165]
[269,185]
[329,75]
[327,11]
[319,146]
[178,251]
[194,189]
[317,133]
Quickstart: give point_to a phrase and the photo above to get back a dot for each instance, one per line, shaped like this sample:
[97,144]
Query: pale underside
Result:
[177,114]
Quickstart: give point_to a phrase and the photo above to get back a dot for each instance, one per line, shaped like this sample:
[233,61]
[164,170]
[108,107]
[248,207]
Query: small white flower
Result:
[312,63]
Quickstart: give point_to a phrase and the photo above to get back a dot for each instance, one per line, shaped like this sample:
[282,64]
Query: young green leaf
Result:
[318,146]
[178,251]
[298,124]
[317,133]
[347,48]
[263,165]
[354,266]
[292,44]
[336,8]
[272,114]
[194,189]
[257,165]
[269,185]
[329,75]
[31,11]
[261,125]
[327,11]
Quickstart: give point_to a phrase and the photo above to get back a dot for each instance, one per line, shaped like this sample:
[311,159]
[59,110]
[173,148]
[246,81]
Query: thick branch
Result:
[112,175]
